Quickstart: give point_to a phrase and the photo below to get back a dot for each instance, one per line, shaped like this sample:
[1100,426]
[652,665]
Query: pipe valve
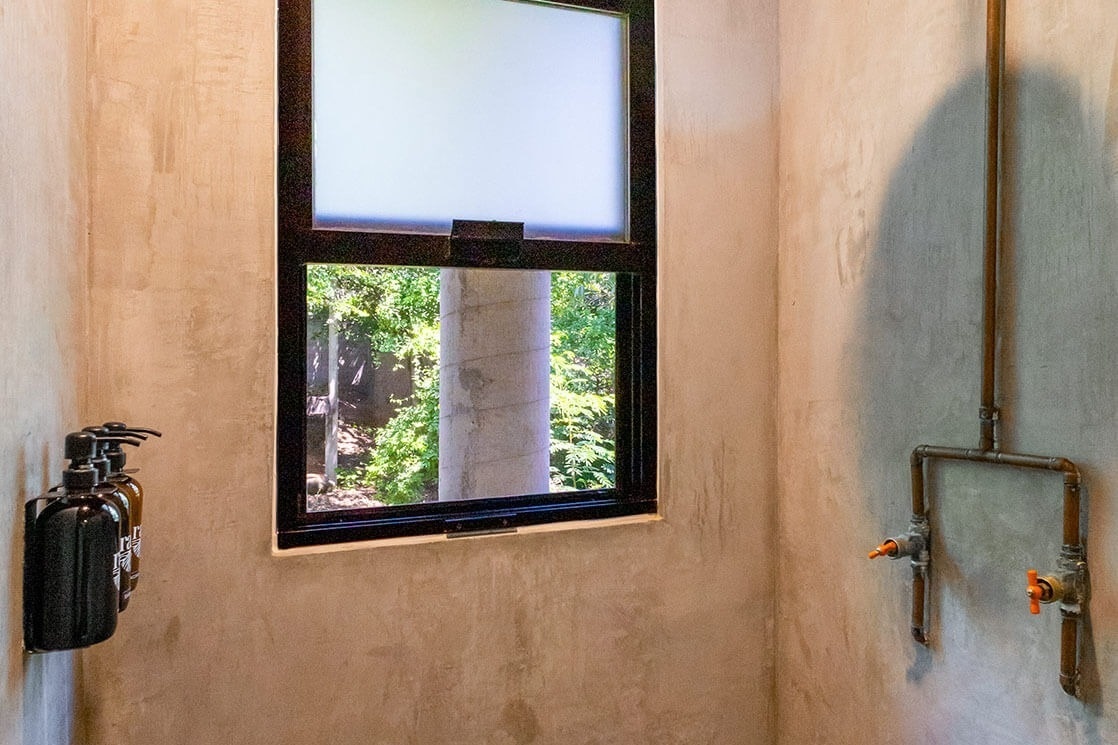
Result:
[909,544]
[888,548]
[1042,590]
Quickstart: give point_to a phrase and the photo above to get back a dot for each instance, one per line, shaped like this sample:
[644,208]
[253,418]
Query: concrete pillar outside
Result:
[494,358]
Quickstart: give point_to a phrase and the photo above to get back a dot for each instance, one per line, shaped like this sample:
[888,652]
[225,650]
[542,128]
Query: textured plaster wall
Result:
[42,263]
[656,633]
[880,277]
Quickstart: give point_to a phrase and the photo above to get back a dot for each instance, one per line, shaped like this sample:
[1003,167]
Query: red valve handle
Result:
[1034,592]
[889,548]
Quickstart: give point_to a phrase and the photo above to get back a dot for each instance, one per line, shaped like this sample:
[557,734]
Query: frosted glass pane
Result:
[426,111]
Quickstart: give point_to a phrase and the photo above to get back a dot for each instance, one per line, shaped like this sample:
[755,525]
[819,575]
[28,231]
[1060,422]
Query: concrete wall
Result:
[42,264]
[880,250]
[652,633]
[649,633]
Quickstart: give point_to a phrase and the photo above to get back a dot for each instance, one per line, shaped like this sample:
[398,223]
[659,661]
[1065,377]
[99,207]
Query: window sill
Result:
[555,527]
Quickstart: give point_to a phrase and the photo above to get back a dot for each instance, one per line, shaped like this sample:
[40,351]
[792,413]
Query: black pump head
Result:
[87,459]
[81,449]
[81,445]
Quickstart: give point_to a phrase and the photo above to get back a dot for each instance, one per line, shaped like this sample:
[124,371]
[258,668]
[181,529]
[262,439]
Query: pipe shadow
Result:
[917,352]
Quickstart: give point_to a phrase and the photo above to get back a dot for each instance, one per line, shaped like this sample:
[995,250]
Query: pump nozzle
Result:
[107,450]
[114,452]
[109,453]
[122,427]
[113,438]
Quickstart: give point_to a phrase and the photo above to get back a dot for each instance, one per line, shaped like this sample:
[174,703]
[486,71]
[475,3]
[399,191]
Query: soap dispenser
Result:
[123,479]
[121,499]
[71,558]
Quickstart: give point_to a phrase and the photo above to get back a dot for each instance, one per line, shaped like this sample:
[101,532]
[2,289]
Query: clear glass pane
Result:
[436,385]
[426,111]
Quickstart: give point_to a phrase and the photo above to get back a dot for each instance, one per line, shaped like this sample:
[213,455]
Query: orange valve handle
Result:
[889,548]
[1034,592]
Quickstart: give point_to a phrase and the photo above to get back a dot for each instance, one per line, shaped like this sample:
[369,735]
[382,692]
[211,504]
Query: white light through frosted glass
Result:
[426,111]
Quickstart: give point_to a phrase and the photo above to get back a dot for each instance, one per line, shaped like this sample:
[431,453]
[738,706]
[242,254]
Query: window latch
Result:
[485,243]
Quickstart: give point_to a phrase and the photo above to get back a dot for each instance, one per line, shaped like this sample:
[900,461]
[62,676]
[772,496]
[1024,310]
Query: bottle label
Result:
[124,560]
[116,571]
[136,540]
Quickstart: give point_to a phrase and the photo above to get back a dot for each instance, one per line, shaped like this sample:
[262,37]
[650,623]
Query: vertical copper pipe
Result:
[1071,509]
[1069,650]
[919,592]
[919,572]
[916,464]
[995,58]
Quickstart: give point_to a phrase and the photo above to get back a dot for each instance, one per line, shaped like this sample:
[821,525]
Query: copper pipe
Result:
[995,59]
[1069,652]
[916,464]
[919,593]
[1071,510]
[1072,477]
[1069,628]
[919,571]
[988,450]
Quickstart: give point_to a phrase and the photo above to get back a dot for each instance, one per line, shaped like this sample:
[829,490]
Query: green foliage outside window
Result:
[397,311]
[582,380]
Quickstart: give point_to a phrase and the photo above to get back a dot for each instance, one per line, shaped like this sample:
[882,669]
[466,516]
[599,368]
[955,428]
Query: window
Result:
[466,266]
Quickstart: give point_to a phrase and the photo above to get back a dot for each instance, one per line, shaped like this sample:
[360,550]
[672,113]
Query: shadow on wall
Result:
[38,699]
[16,673]
[917,369]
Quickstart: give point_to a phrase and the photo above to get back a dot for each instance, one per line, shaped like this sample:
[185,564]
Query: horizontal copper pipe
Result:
[1021,460]
[1072,477]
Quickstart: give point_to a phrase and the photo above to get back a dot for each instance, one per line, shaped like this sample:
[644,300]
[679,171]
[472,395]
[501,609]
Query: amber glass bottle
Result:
[122,479]
[119,498]
[135,493]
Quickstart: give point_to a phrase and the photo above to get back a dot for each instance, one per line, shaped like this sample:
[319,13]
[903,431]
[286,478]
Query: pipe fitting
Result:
[893,548]
[915,544]
[988,418]
[1070,587]
[1074,580]
[907,544]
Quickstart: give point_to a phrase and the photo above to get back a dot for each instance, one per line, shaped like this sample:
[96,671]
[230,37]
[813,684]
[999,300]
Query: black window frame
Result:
[633,261]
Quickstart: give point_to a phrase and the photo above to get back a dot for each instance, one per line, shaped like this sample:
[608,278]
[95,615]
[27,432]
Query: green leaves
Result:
[404,465]
[583,322]
[386,305]
[397,311]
